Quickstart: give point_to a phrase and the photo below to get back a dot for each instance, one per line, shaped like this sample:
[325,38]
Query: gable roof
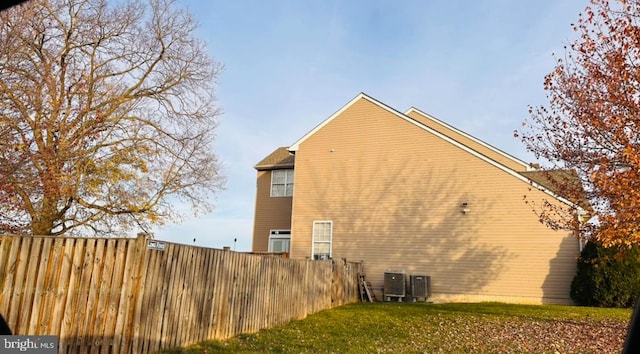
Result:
[362,96]
[281,158]
[459,135]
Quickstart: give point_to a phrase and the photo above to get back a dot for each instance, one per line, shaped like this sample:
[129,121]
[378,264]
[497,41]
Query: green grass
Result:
[447,328]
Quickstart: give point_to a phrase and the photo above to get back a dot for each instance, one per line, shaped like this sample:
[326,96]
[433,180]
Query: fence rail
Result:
[118,296]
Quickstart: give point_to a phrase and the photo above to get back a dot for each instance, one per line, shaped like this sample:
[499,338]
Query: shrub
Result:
[607,277]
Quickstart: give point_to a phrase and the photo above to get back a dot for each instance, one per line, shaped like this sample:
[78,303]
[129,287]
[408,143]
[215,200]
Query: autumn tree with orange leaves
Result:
[592,122]
[107,116]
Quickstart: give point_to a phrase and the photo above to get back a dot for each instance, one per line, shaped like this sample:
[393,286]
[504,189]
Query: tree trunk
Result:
[42,222]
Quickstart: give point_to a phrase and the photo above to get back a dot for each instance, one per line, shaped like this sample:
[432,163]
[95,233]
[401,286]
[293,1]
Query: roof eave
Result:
[273,167]
[470,137]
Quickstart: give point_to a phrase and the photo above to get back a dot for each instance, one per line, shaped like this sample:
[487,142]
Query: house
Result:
[405,192]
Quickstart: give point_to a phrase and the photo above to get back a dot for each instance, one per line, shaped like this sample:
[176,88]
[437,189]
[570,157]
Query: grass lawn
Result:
[437,328]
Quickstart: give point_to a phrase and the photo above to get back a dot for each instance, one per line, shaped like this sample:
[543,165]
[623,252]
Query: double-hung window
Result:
[322,234]
[282,183]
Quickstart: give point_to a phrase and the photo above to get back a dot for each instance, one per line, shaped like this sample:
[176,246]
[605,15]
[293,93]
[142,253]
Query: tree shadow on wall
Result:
[411,220]
[562,269]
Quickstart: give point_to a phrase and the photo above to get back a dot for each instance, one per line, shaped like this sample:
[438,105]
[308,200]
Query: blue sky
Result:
[476,65]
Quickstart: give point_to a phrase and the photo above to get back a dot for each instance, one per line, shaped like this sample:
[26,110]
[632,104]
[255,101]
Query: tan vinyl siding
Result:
[455,135]
[394,193]
[272,213]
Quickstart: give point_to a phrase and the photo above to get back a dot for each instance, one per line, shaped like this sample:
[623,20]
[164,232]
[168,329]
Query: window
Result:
[322,234]
[282,183]
[279,241]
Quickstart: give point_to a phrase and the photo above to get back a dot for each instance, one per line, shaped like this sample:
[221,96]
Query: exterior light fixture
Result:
[465,208]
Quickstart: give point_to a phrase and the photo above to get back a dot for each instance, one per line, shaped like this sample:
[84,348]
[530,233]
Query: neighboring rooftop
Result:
[279,159]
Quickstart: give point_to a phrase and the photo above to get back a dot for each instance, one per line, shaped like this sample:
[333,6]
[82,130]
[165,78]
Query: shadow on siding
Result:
[400,215]
[562,267]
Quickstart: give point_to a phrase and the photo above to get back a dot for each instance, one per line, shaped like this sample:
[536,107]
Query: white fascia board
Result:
[470,137]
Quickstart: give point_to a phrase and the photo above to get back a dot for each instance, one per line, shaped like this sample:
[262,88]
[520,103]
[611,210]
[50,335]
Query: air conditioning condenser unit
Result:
[420,286]
[394,285]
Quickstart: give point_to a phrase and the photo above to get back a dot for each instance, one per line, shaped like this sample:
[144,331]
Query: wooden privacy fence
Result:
[119,296]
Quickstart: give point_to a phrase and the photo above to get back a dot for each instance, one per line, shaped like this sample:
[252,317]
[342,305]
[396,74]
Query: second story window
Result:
[282,183]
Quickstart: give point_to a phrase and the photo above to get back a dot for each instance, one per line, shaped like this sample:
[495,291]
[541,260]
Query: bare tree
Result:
[107,116]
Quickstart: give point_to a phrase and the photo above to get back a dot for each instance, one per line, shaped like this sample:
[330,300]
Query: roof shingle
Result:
[279,159]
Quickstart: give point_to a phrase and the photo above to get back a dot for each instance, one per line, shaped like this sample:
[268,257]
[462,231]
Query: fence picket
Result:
[39,289]
[95,266]
[18,287]
[104,294]
[83,311]
[9,249]
[119,336]
[167,294]
[52,279]
[115,291]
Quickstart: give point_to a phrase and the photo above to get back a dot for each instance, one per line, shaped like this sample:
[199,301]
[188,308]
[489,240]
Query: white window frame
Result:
[279,234]
[287,182]
[313,238]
